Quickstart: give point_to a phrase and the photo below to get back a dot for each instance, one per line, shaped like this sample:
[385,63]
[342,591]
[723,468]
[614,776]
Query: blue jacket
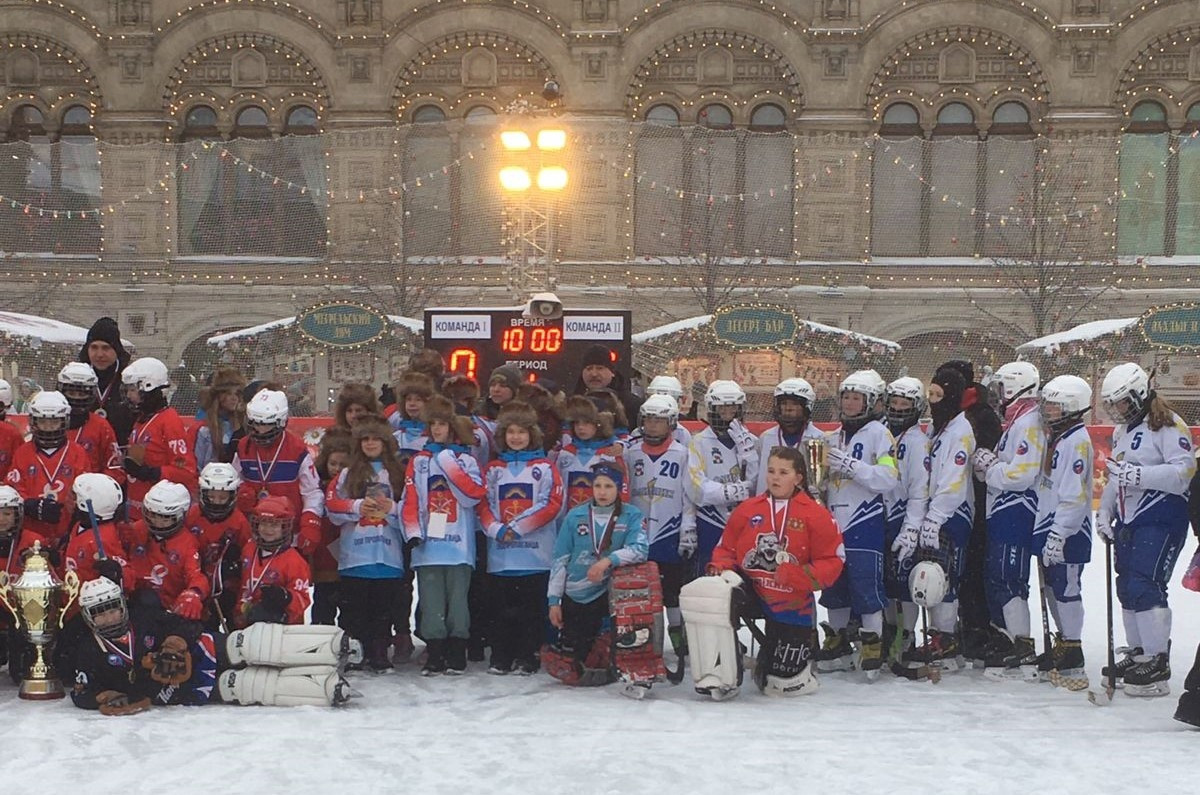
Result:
[575,551]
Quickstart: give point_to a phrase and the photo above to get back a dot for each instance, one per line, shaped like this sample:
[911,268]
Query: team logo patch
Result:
[960,458]
[173,557]
[928,464]
[537,473]
[755,521]
[581,529]
[114,660]
[1078,466]
[1022,448]
[1184,443]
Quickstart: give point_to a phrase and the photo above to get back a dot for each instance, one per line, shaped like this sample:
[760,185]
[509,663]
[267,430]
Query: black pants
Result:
[479,599]
[673,577]
[973,615]
[326,599]
[366,607]
[519,618]
[402,602]
[582,622]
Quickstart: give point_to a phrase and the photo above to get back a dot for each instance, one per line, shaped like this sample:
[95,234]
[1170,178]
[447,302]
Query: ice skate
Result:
[836,653]
[1150,677]
[1069,671]
[1127,662]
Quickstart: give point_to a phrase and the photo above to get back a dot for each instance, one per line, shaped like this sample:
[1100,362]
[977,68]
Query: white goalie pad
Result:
[804,683]
[712,642]
[310,685]
[285,645]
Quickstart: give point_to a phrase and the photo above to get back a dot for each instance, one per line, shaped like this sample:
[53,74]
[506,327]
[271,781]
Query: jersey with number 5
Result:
[1167,463]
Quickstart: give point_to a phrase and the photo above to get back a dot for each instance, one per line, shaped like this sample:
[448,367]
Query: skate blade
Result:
[1102,698]
[1074,681]
[872,674]
[948,665]
[635,691]
[1154,690]
[835,666]
[719,693]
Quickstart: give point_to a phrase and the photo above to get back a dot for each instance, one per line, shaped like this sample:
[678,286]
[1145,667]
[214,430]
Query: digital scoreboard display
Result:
[474,341]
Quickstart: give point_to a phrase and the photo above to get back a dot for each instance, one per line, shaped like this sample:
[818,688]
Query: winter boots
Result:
[402,648]
[456,656]
[1188,710]
[377,655]
[435,657]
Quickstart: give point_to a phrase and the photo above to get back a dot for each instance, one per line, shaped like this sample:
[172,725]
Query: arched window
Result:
[1192,121]
[27,124]
[715,117]
[663,115]
[955,118]
[428,114]
[251,122]
[768,118]
[77,120]
[1150,189]
[481,114]
[1010,118]
[1147,117]
[301,120]
[900,120]
[200,122]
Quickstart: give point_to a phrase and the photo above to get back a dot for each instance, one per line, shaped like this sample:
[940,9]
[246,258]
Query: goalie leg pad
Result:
[310,685]
[286,645]
[636,603]
[785,661]
[707,606]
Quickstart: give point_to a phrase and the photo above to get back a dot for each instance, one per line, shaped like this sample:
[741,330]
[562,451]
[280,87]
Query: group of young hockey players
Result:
[542,532]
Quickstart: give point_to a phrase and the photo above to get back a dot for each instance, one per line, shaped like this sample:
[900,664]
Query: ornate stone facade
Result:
[826,71]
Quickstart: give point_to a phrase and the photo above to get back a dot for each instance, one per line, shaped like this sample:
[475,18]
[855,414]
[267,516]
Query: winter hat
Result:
[355,394]
[951,381]
[105,330]
[607,402]
[597,354]
[510,375]
[442,409]
[609,469]
[581,409]
[413,383]
[962,366]
[461,389]
[227,379]
[522,414]
[377,427]
[428,362]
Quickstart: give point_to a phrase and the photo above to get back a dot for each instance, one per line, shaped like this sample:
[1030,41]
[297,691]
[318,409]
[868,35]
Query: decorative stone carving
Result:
[479,68]
[957,64]
[1083,61]
[22,68]
[595,65]
[835,62]
[595,10]
[249,69]
[715,67]
[360,69]
[1087,8]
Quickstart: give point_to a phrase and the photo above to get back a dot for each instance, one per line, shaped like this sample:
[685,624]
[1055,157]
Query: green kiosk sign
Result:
[1174,327]
[754,326]
[342,325]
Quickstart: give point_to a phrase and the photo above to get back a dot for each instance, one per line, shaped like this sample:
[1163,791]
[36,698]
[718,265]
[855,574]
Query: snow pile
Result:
[16,324]
[1081,333]
[810,326]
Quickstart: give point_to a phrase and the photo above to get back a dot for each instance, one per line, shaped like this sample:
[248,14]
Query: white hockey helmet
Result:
[867,383]
[9,498]
[146,374]
[101,490]
[908,388]
[723,393]
[796,388]
[218,477]
[1125,382]
[663,406]
[1067,398]
[1015,380]
[48,413]
[927,583]
[164,508]
[78,382]
[6,396]
[268,410]
[99,596]
[665,385]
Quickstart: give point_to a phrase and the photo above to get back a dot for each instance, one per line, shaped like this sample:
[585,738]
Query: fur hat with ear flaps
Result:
[440,409]
[377,427]
[521,415]
[582,409]
[413,383]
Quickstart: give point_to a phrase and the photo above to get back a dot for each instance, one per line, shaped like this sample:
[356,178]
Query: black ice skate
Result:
[871,654]
[1069,670]
[995,660]
[1128,661]
[940,651]
[1151,677]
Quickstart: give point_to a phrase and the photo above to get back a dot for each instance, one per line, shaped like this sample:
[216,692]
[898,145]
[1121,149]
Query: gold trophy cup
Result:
[816,453]
[39,602]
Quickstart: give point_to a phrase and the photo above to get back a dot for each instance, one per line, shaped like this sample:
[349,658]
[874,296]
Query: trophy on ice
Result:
[39,601]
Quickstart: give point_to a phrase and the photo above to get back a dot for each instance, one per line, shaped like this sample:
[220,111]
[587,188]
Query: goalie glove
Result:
[171,664]
[114,702]
[271,606]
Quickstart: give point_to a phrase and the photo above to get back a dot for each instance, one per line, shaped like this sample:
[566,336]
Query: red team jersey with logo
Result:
[99,441]
[166,567]
[787,556]
[10,440]
[285,469]
[35,474]
[167,448]
[82,552]
[285,569]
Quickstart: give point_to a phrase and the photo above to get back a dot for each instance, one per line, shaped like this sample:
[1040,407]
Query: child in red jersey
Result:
[44,468]
[158,444]
[163,558]
[222,531]
[96,551]
[275,577]
[78,383]
[10,435]
[336,447]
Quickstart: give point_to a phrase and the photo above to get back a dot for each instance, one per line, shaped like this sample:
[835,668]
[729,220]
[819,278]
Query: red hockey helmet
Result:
[275,515]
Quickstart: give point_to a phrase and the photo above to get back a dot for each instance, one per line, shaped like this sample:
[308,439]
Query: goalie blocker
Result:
[712,608]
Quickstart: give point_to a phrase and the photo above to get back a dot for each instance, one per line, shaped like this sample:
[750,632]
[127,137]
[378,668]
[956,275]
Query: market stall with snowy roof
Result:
[758,346]
[314,353]
[1164,339]
[33,349]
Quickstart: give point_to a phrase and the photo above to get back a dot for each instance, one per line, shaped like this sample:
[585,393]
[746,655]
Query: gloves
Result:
[310,533]
[1052,552]
[507,534]
[141,471]
[842,462]
[1104,527]
[43,509]
[733,578]
[189,605]
[113,702]
[271,606]
[231,564]
[171,664]
[931,534]
[982,461]
[1127,475]
[737,491]
[109,568]
[796,576]
[905,543]
[688,542]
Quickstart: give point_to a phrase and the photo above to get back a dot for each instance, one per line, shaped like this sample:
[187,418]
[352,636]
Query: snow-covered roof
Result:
[407,323]
[1081,333]
[44,329]
[700,320]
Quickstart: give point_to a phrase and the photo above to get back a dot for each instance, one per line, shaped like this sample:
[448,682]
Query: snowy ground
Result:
[531,735]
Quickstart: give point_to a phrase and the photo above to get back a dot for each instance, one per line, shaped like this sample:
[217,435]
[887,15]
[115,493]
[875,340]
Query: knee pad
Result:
[707,605]
[310,685]
[286,645]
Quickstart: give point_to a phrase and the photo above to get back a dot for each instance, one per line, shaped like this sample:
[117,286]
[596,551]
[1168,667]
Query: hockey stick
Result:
[95,523]
[676,676]
[1047,641]
[1105,697]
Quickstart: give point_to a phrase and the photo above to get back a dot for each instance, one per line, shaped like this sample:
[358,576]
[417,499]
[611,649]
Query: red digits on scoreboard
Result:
[463,360]
[542,339]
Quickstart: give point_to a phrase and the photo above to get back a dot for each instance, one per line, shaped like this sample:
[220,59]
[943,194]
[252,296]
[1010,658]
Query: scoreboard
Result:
[475,341]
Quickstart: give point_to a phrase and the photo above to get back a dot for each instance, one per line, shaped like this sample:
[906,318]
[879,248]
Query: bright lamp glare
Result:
[514,140]
[552,140]
[552,178]
[515,178]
